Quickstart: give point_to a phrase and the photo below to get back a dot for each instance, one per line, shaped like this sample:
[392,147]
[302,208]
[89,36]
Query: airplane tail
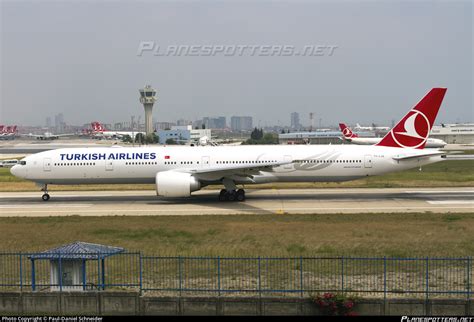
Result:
[346,131]
[414,128]
[97,127]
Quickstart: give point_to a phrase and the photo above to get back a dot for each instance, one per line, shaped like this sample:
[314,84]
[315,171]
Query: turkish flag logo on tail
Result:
[347,132]
[414,129]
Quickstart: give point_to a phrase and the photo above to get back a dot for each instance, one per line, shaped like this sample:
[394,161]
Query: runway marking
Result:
[451,202]
[199,212]
[441,191]
[46,206]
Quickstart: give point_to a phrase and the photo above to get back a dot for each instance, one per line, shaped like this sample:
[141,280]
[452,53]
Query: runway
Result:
[264,201]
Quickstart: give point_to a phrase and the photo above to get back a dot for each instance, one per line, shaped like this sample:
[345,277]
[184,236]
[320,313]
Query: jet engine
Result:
[176,184]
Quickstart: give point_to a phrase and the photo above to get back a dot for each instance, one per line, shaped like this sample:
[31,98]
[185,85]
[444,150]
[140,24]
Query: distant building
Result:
[295,121]
[211,123]
[214,122]
[163,125]
[182,134]
[241,123]
[118,126]
[454,133]
[182,122]
[220,123]
[59,123]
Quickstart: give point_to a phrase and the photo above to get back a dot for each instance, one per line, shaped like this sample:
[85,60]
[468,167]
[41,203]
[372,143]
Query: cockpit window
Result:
[22,162]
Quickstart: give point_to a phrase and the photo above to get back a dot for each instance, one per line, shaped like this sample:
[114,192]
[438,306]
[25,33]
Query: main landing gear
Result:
[45,196]
[232,195]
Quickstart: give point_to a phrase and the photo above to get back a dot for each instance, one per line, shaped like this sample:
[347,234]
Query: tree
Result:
[140,138]
[127,139]
[256,134]
[170,142]
[152,138]
[258,137]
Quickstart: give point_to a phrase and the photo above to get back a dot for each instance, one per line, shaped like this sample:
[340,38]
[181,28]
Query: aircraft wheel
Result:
[45,197]
[222,195]
[232,195]
[241,195]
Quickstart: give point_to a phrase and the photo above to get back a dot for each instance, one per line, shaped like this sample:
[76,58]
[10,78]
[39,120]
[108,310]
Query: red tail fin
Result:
[347,132]
[96,127]
[413,130]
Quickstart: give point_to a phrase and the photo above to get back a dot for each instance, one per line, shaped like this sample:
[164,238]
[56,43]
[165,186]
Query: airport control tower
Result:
[148,98]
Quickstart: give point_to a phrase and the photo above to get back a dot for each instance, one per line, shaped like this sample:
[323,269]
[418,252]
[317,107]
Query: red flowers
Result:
[332,304]
[349,304]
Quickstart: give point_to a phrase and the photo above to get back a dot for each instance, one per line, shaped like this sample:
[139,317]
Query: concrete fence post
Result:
[141,271]
[219,276]
[21,272]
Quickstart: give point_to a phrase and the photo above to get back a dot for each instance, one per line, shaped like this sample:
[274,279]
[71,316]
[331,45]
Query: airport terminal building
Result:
[454,133]
[317,137]
[182,134]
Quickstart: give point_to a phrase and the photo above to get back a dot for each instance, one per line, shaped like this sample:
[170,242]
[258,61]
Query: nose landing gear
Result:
[45,196]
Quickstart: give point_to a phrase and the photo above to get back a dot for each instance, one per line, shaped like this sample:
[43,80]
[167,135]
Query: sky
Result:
[83,59]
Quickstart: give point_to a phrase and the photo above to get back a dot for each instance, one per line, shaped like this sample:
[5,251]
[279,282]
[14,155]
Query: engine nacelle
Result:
[176,184]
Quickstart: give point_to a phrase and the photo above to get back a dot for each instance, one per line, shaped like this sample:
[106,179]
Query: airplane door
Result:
[205,162]
[368,161]
[109,165]
[287,158]
[47,164]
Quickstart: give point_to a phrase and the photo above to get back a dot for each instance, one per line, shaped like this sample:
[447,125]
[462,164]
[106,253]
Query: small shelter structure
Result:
[68,265]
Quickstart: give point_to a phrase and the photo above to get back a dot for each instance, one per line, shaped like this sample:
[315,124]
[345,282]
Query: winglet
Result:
[414,128]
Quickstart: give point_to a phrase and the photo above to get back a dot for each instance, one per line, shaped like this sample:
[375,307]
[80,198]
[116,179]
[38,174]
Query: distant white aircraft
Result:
[352,137]
[371,128]
[177,171]
[47,136]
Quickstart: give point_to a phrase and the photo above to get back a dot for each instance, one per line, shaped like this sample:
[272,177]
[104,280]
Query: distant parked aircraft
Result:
[8,132]
[47,136]
[349,136]
[99,131]
[371,128]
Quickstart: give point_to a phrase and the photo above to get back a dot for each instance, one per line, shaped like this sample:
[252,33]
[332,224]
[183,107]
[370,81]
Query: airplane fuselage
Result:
[309,163]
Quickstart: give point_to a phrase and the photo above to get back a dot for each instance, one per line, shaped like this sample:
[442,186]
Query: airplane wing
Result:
[66,134]
[229,170]
[402,157]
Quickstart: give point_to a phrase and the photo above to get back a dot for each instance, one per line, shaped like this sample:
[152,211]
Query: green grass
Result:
[393,235]
[458,173]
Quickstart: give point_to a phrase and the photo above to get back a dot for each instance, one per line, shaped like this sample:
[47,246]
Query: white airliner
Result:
[352,137]
[371,128]
[177,171]
[48,136]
